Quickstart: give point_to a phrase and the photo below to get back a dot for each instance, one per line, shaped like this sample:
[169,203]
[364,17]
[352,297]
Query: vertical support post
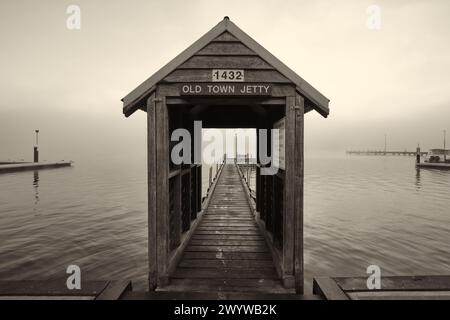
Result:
[235,148]
[258,178]
[35,154]
[418,154]
[210,177]
[175,238]
[199,187]
[298,187]
[152,187]
[162,193]
[36,151]
[289,194]
[177,186]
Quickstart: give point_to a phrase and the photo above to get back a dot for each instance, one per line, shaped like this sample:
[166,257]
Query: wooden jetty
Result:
[225,79]
[57,290]
[384,153]
[30,166]
[227,252]
[392,288]
[324,288]
[232,244]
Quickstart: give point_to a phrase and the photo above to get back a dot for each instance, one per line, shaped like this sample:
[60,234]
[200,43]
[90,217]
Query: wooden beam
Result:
[277,260]
[175,235]
[115,290]
[298,187]
[279,90]
[151,182]
[328,289]
[162,189]
[289,194]
[175,120]
[49,288]
[178,253]
[225,61]
[203,102]
[397,283]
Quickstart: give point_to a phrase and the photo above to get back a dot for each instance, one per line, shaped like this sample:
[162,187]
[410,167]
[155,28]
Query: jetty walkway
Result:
[227,251]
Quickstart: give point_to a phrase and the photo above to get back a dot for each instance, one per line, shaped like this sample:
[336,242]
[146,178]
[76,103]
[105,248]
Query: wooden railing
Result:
[247,170]
[267,192]
[185,198]
[212,177]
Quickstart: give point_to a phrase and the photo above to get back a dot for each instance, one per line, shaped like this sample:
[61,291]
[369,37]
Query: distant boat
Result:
[438,156]
[435,158]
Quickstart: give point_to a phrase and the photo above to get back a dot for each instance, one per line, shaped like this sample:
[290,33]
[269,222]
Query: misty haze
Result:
[353,98]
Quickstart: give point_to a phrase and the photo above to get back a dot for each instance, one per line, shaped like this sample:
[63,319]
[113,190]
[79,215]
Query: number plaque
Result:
[227,75]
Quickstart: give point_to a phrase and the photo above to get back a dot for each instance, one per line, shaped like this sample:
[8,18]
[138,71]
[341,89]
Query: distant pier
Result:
[384,153]
[26,166]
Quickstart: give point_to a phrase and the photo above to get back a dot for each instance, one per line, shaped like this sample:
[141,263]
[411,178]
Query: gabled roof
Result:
[134,99]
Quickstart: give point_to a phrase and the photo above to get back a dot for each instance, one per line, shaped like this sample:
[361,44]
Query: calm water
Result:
[358,211]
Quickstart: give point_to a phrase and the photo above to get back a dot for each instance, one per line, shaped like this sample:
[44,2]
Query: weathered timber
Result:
[162,201]
[151,174]
[289,193]
[231,41]
[298,186]
[230,48]
[228,242]
[224,62]
[392,288]
[228,255]
[115,290]
[328,289]
[6,168]
[236,264]
[57,290]
[225,80]
[227,248]
[217,261]
[226,285]
[226,37]
[178,252]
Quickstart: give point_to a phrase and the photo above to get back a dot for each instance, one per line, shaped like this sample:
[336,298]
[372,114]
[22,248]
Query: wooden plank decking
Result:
[392,288]
[57,290]
[227,252]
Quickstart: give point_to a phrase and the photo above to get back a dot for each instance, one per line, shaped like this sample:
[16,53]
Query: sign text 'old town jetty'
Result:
[228,240]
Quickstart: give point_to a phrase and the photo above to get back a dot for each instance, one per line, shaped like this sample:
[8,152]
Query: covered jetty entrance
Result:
[227,241]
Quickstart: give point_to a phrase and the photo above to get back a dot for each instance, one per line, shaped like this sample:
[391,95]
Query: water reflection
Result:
[418,184]
[358,211]
[36,190]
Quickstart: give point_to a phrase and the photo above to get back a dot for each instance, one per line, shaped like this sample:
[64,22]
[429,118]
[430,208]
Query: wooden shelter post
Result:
[159,187]
[151,178]
[298,187]
[289,194]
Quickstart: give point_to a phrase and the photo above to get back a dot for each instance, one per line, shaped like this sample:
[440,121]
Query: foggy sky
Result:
[69,83]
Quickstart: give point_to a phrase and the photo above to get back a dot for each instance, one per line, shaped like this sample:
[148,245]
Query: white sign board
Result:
[280,157]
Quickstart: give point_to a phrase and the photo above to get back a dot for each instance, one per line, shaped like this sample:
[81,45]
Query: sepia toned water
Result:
[358,211]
